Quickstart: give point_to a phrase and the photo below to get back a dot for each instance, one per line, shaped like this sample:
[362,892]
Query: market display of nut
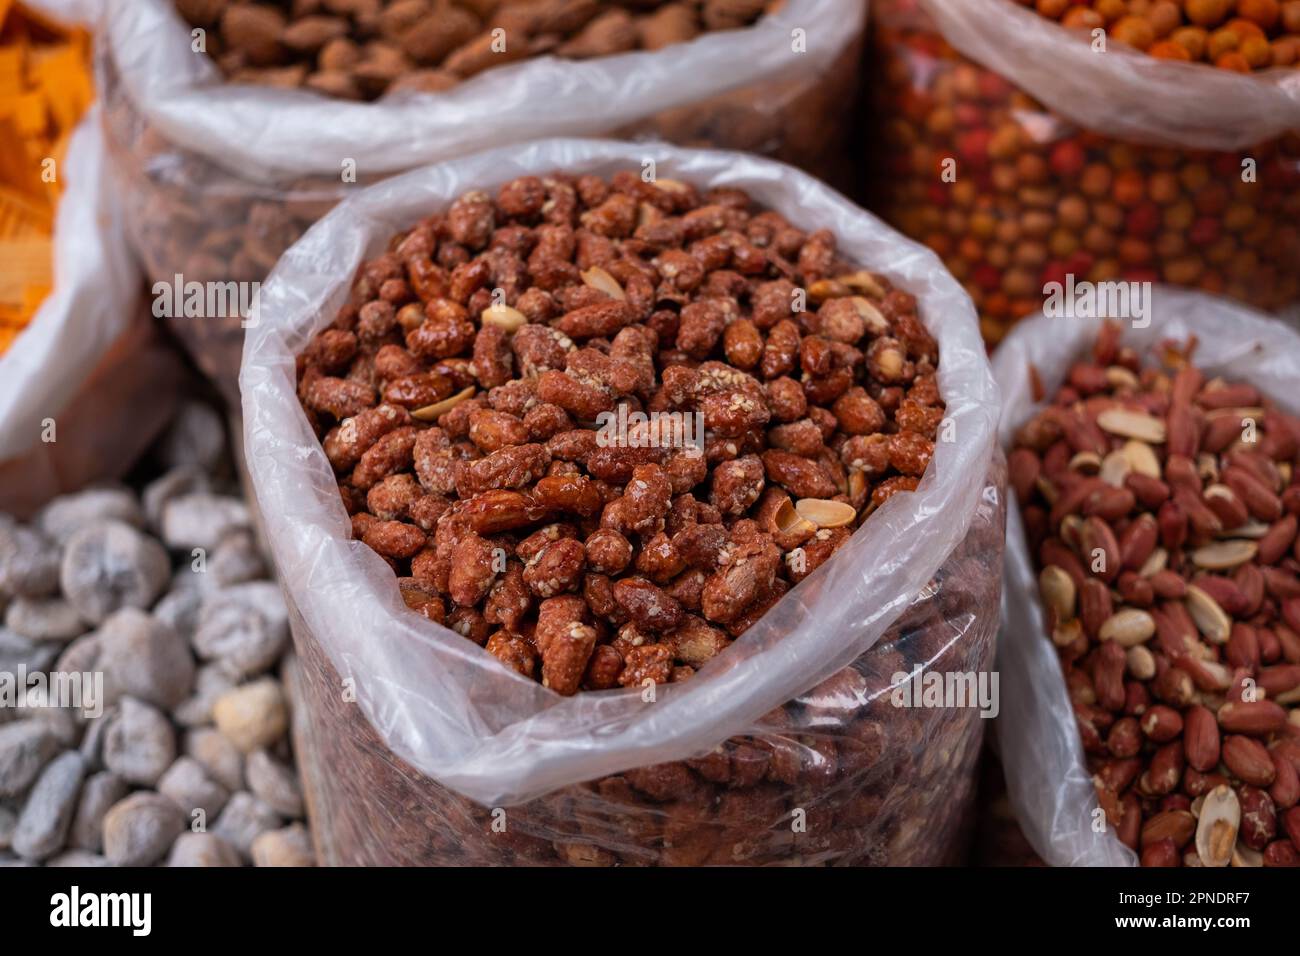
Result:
[524,521]
[840,775]
[142,719]
[190,211]
[362,49]
[1013,196]
[1161,506]
[593,427]
[1241,35]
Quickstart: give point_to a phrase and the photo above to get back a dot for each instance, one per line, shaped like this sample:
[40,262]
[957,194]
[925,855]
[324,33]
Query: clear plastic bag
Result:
[1105,166]
[218,179]
[1037,734]
[440,734]
[1122,93]
[87,385]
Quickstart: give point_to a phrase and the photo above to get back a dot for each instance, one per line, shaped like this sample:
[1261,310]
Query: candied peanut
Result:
[607,551]
[909,453]
[535,525]
[338,396]
[394,539]
[747,572]
[603,668]
[647,604]
[509,599]
[516,466]
[650,662]
[743,344]
[353,437]
[391,453]
[513,651]
[472,570]
[803,477]
[557,568]
[737,485]
[492,430]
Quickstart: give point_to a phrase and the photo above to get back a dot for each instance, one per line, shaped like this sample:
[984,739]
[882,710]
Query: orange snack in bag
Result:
[45,86]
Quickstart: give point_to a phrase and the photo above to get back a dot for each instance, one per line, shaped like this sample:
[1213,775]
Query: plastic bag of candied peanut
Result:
[421,748]
[87,384]
[1037,734]
[220,177]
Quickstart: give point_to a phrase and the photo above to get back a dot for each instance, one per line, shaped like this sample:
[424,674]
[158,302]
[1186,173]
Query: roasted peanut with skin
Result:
[1183,668]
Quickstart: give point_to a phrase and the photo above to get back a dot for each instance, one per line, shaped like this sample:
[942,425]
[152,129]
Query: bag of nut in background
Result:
[1022,149]
[1150,561]
[229,153]
[87,384]
[443,744]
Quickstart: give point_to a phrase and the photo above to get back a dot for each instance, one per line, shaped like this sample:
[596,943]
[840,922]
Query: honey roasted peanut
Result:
[475,433]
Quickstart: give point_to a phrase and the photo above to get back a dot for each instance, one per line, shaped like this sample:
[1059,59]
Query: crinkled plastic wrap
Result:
[219,179]
[1122,93]
[795,716]
[1037,735]
[89,371]
[1105,166]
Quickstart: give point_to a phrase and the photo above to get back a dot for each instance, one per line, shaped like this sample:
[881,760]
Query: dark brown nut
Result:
[737,485]
[338,397]
[394,539]
[603,669]
[743,344]
[649,662]
[696,642]
[539,348]
[516,466]
[513,651]
[391,499]
[582,400]
[675,303]
[474,567]
[802,477]
[602,319]
[390,454]
[748,571]
[566,643]
[509,599]
[495,511]
[701,545]
[446,332]
[557,568]
[910,454]
[646,499]
[492,430]
[647,604]
[659,560]
[353,437]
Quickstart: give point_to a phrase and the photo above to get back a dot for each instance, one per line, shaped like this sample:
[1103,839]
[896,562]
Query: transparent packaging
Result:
[88,383]
[218,179]
[1037,734]
[1020,155]
[412,736]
